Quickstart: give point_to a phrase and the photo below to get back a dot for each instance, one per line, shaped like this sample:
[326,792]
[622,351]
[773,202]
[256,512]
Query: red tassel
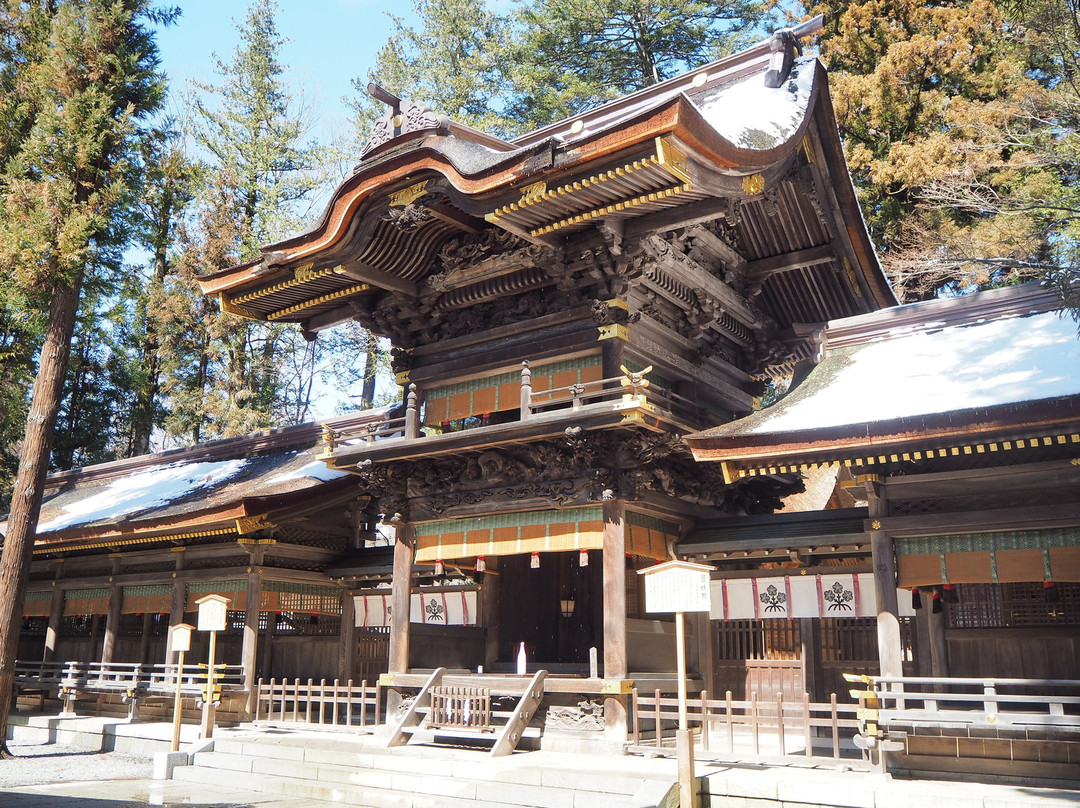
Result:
[916,599]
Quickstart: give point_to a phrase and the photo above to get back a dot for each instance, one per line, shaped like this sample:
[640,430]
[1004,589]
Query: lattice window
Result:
[76,625]
[34,627]
[1013,605]
[758,639]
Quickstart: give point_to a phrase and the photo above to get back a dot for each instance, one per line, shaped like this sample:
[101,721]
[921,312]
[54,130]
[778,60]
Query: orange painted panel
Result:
[483,401]
[1065,563]
[1018,566]
[460,406]
[918,570]
[435,410]
[968,568]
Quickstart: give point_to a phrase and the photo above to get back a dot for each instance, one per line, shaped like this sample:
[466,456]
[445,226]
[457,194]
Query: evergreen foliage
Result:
[74,101]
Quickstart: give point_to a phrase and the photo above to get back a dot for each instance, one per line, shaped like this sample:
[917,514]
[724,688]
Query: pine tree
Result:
[454,61]
[85,80]
[938,110]
[258,170]
[574,54]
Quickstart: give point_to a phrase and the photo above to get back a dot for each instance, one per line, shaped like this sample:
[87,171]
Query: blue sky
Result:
[332,41]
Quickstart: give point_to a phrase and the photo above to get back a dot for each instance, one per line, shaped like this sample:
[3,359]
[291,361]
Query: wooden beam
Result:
[453,216]
[1024,518]
[377,277]
[757,272]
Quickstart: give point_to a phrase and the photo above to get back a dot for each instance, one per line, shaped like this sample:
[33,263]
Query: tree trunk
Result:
[30,486]
[367,396]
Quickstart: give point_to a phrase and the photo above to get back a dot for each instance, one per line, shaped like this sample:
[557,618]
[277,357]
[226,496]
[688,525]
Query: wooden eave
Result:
[870,446]
[245,516]
[661,167]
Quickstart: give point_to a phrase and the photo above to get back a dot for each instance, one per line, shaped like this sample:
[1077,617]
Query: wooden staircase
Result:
[465,712]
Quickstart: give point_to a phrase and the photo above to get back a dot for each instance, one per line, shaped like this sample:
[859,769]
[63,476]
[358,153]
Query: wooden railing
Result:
[134,682]
[974,701]
[630,390]
[319,703]
[758,727]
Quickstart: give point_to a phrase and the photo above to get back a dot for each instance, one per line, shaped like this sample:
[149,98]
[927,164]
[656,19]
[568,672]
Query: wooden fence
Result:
[319,703]
[761,727]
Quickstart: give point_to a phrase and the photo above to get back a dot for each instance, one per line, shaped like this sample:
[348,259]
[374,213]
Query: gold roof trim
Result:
[869,461]
[316,301]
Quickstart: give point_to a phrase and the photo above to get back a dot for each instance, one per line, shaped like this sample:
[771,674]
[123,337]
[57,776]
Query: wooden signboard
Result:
[212,612]
[677,586]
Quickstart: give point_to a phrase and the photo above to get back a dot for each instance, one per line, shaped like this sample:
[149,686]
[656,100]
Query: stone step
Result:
[361,772]
[418,761]
[411,792]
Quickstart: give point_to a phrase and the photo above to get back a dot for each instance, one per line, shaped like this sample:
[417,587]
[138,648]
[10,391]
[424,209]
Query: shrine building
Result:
[584,320]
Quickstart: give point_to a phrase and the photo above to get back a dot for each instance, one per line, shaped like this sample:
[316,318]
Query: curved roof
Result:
[947,375]
[761,167]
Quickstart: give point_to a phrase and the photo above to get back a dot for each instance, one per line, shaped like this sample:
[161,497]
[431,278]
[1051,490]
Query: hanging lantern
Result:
[481,564]
[583,558]
[439,569]
[535,561]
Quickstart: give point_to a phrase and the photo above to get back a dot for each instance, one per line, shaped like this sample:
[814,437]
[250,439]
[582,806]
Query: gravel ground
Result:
[39,764]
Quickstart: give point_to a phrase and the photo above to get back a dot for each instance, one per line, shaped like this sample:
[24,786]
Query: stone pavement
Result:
[132,793]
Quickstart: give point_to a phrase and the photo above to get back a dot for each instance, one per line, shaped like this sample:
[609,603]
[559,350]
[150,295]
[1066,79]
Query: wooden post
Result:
[400,600]
[881,551]
[881,548]
[489,613]
[52,632]
[615,657]
[112,623]
[400,597]
[176,615]
[250,645]
[526,390]
[144,640]
[176,703]
[412,414]
[347,634]
[811,657]
[703,637]
[939,647]
[209,712]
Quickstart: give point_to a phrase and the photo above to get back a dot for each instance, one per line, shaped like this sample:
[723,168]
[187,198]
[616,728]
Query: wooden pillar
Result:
[347,634]
[939,646]
[251,640]
[176,616]
[112,623]
[703,638]
[881,552]
[811,659]
[95,633]
[615,657]
[489,613]
[144,638]
[401,594]
[881,547]
[52,631]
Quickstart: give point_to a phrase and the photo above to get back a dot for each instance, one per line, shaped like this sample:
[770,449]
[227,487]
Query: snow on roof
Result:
[753,116]
[986,364]
[143,490]
[316,469]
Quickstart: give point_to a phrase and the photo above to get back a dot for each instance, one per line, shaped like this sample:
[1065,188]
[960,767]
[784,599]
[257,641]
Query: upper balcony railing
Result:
[630,391]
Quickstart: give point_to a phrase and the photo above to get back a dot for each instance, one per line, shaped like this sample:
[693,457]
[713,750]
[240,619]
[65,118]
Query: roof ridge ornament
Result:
[402,117]
[784,46]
